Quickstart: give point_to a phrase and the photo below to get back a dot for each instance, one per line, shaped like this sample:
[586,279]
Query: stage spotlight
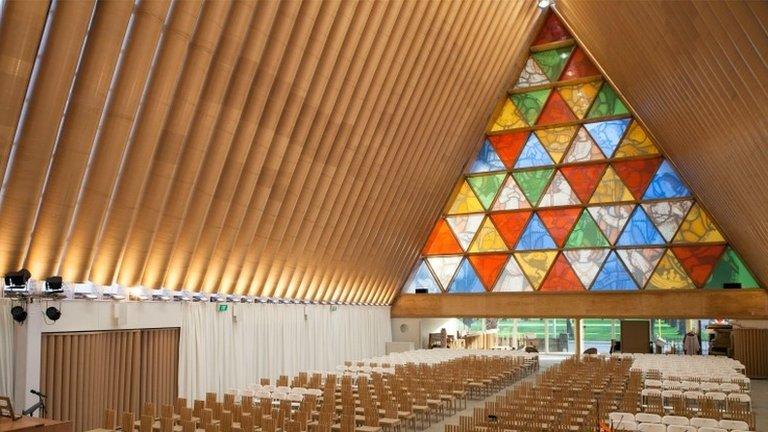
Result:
[53,313]
[54,286]
[16,283]
[19,314]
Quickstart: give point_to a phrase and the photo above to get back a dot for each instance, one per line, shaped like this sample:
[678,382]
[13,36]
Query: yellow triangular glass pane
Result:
[698,228]
[636,143]
[611,189]
[580,96]
[487,239]
[669,274]
[556,140]
[509,118]
[466,201]
[535,265]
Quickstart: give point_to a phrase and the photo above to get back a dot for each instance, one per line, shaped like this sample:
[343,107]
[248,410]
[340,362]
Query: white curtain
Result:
[219,351]
[6,349]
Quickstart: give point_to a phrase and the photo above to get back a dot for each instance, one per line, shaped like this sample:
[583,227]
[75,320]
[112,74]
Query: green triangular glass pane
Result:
[586,234]
[530,104]
[607,103]
[553,61]
[485,187]
[731,269]
[533,182]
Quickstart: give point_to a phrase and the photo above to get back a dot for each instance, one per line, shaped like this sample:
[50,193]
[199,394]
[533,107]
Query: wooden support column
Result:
[577,335]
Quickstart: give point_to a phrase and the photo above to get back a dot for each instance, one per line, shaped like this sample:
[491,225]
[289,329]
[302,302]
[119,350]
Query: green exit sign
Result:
[223,307]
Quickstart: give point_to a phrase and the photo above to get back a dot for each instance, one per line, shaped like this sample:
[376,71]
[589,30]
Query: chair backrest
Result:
[110,419]
[647,418]
[712,429]
[704,422]
[179,404]
[146,423]
[681,428]
[197,408]
[166,411]
[675,420]
[734,424]
[188,426]
[651,427]
[166,424]
[127,421]
[246,422]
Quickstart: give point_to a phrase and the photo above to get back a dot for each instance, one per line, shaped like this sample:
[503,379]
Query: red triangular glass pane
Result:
[579,66]
[508,146]
[488,267]
[561,277]
[584,179]
[559,222]
[555,111]
[510,225]
[698,261]
[441,241]
[636,174]
[552,31]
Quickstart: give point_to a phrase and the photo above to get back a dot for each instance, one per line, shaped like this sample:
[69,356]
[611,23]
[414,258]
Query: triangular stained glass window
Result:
[584,179]
[559,193]
[667,215]
[611,189]
[611,219]
[466,280]
[552,61]
[613,276]
[511,197]
[698,261]
[586,263]
[697,227]
[586,234]
[533,183]
[583,149]
[487,160]
[530,104]
[608,103]
[535,236]
[488,267]
[641,262]
[666,184]
[607,134]
[640,231]
[535,265]
[487,239]
[561,277]
[441,241]
[552,31]
[579,97]
[556,140]
[555,111]
[465,201]
[532,75]
[512,278]
[508,146]
[730,269]
[533,154]
[510,225]
[421,278]
[444,267]
[507,118]
[669,274]
[637,173]
[579,66]
[636,143]
[559,222]
[465,227]
[485,187]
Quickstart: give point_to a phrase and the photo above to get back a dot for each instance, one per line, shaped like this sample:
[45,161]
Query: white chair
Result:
[704,422]
[626,426]
[263,394]
[681,428]
[299,390]
[247,393]
[649,392]
[734,424]
[283,389]
[739,397]
[647,418]
[652,427]
[651,383]
[709,386]
[675,420]
[616,417]
[712,429]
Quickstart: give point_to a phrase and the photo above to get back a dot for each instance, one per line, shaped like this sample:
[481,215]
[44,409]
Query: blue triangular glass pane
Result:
[640,231]
[666,184]
[487,160]
[607,134]
[421,278]
[533,154]
[535,236]
[466,280]
[614,276]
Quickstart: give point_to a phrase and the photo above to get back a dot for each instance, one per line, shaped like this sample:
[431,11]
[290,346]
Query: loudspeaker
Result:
[732,285]
[422,291]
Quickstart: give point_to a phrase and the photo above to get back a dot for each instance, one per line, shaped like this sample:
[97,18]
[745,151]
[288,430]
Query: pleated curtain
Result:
[87,372]
[6,349]
[219,351]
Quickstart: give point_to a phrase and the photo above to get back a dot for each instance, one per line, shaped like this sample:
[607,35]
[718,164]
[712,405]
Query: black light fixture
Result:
[53,286]
[53,313]
[16,282]
[19,314]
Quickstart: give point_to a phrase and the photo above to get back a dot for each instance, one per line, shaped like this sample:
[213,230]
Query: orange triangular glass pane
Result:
[698,261]
[579,66]
[510,225]
[552,31]
[636,174]
[584,178]
[508,146]
[561,277]
[611,189]
[441,241]
[488,267]
[559,222]
[555,111]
